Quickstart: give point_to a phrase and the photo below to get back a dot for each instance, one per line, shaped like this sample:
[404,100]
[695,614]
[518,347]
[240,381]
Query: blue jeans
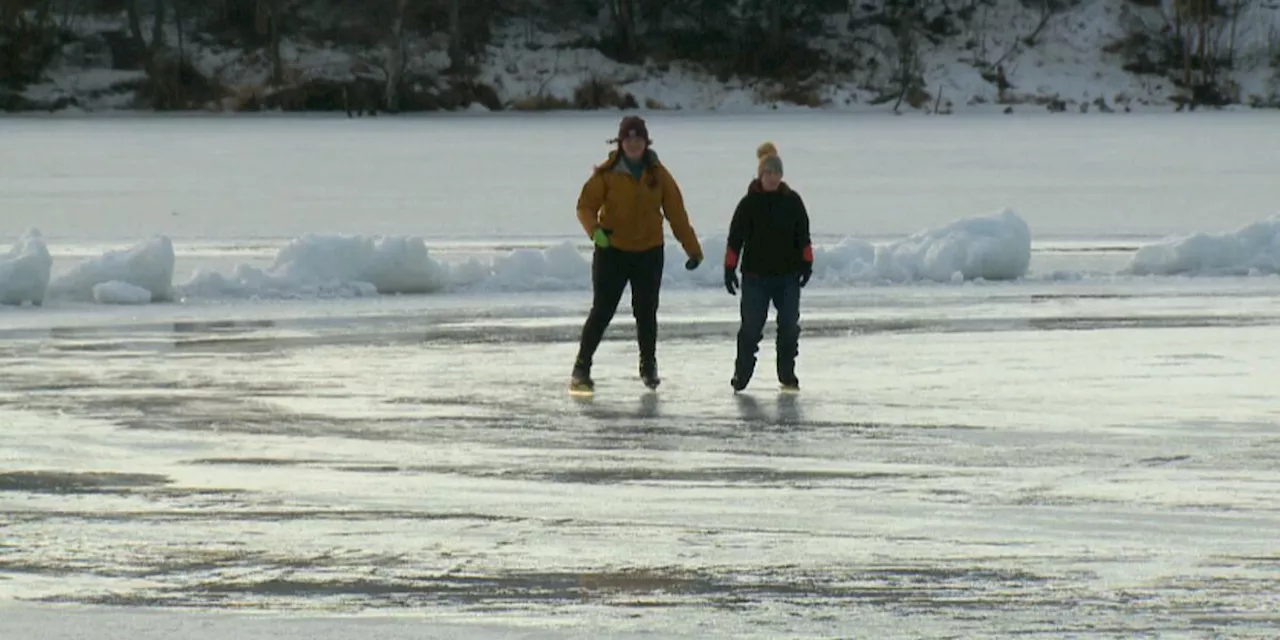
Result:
[758,292]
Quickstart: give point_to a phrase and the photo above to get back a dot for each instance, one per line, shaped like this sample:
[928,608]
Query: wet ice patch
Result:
[77,482]
[147,265]
[24,270]
[1250,250]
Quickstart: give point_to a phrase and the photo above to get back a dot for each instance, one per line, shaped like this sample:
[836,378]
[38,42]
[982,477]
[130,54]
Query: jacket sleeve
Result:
[739,229]
[590,201]
[673,209]
[803,240]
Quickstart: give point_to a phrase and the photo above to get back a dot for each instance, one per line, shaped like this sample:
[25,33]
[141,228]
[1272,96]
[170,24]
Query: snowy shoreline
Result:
[1077,64]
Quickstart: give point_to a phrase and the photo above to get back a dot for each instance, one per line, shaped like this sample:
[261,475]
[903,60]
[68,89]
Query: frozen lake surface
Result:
[1083,451]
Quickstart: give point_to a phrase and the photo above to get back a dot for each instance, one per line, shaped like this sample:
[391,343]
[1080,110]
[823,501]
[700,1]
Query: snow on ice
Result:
[147,265]
[1253,249]
[116,292]
[319,265]
[558,267]
[996,247]
[389,264]
[991,247]
[24,270]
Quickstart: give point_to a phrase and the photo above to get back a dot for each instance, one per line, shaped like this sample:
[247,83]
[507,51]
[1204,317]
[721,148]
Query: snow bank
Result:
[116,292]
[334,266]
[996,247]
[992,247]
[317,265]
[148,265]
[1253,249]
[555,268]
[24,271]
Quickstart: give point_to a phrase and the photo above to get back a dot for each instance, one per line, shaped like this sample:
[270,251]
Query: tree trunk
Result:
[42,24]
[273,33]
[1183,33]
[157,28]
[135,30]
[456,61]
[1231,42]
[624,29]
[1202,35]
[395,58]
[775,27]
[177,22]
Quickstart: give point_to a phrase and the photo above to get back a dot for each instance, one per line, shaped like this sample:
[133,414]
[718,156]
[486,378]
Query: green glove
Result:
[601,238]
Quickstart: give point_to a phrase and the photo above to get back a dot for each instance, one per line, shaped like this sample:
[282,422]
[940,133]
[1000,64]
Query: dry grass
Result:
[801,94]
[541,102]
[599,93]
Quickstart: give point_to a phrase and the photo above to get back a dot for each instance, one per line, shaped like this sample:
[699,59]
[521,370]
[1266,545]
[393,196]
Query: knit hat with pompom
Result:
[767,156]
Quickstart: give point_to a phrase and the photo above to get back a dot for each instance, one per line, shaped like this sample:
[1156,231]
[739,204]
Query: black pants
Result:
[611,271]
[757,293]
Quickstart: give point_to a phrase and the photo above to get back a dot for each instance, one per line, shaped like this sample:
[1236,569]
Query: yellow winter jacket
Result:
[632,210]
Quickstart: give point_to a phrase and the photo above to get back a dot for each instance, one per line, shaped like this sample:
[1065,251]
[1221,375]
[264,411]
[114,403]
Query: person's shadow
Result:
[649,403]
[749,410]
[788,410]
[649,407]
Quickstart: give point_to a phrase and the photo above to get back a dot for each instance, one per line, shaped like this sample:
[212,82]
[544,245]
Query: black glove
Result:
[731,283]
[693,262]
[806,272]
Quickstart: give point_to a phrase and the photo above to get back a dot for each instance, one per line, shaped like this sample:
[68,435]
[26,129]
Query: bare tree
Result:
[267,19]
[624,27]
[456,57]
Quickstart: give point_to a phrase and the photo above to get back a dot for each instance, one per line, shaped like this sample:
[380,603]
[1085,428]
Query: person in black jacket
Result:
[769,239]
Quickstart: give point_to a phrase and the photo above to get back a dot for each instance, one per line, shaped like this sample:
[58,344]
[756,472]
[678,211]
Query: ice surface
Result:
[116,292]
[1253,249]
[870,177]
[239,469]
[29,622]
[24,270]
[147,265]
[958,464]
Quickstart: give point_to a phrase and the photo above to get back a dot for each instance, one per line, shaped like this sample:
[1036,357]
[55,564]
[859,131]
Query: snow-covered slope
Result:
[1072,58]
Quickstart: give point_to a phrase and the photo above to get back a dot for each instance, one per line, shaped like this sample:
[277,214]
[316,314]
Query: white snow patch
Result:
[1250,250]
[147,265]
[116,292]
[518,72]
[92,89]
[24,270]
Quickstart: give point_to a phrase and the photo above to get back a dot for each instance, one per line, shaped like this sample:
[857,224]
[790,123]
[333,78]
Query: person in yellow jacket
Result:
[621,208]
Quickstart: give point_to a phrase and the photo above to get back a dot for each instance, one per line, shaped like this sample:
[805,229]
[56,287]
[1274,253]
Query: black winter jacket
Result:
[769,234]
